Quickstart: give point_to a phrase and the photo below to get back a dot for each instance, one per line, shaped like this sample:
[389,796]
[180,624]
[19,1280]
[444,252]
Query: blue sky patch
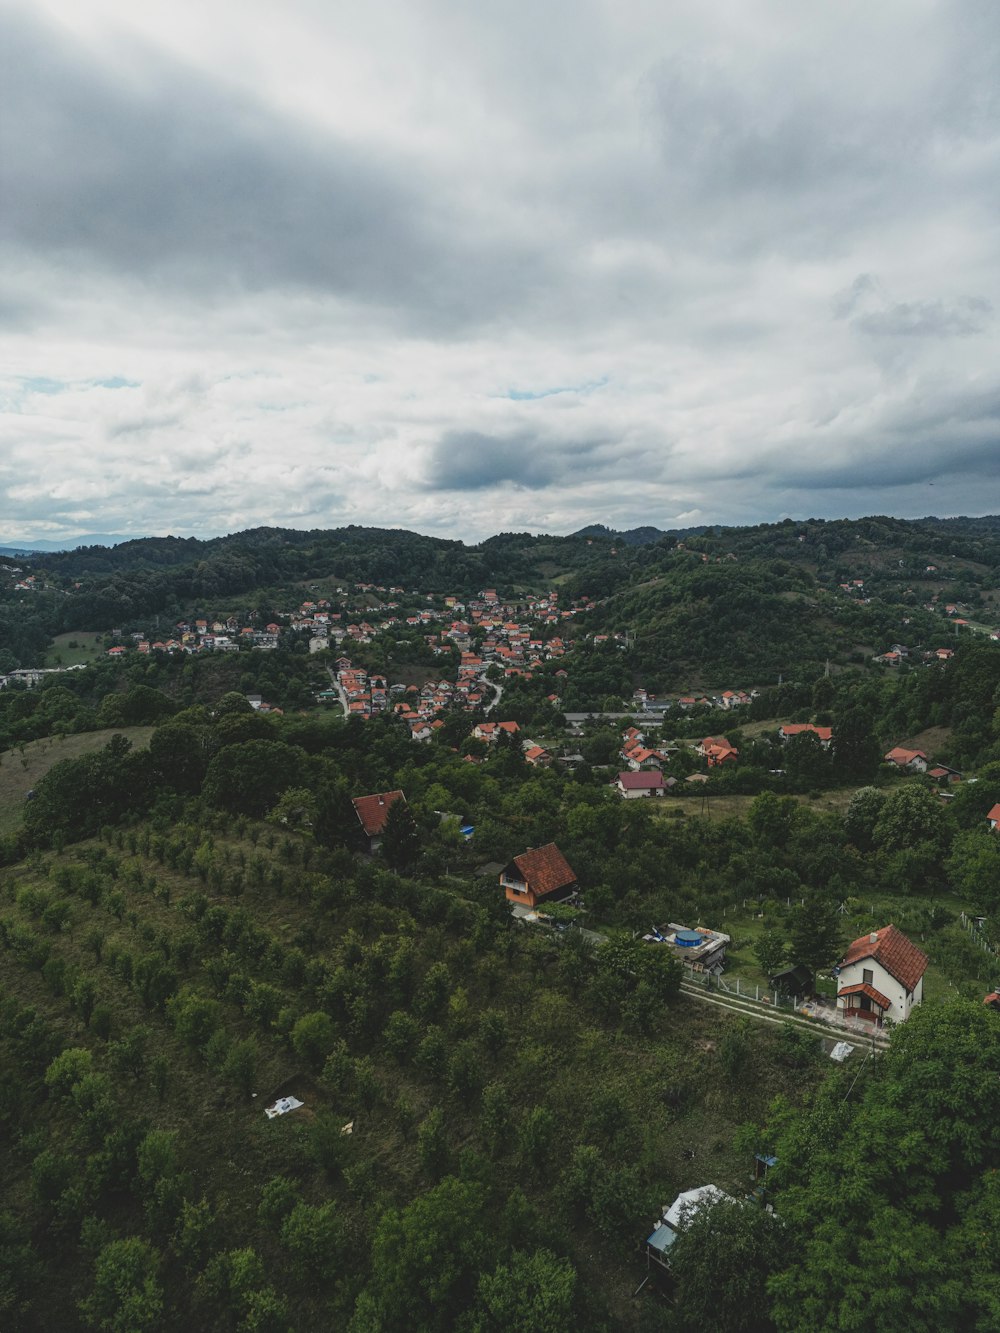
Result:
[529,395]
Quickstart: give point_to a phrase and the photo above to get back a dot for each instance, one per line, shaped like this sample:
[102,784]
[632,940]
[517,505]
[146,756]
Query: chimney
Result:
[873,937]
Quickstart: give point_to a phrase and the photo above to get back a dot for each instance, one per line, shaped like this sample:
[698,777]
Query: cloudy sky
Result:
[468,268]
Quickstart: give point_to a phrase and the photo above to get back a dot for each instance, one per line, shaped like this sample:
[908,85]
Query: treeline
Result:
[145,690]
[113,586]
[764,573]
[635,862]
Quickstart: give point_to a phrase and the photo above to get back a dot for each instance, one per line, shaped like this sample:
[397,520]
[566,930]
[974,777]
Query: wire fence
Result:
[972,926]
[808,1006]
[751,990]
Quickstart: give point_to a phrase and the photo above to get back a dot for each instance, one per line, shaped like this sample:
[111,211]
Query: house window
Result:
[868,976]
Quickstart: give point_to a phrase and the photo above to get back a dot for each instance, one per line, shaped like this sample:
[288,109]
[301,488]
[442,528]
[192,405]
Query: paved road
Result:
[340,693]
[496,699]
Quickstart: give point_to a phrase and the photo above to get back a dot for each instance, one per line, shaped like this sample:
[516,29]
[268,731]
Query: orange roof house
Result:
[717,750]
[789,729]
[881,976]
[994,818]
[538,875]
[372,812]
[904,758]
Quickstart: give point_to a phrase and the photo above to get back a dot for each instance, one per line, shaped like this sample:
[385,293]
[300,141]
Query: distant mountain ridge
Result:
[643,536]
[69,544]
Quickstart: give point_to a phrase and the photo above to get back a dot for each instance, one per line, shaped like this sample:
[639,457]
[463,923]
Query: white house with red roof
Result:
[790,729]
[881,976]
[633,786]
[994,818]
[717,750]
[915,760]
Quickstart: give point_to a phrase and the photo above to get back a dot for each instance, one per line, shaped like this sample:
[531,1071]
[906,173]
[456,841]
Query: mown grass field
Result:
[22,769]
[78,647]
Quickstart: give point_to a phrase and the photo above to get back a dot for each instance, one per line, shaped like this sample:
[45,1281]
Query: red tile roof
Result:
[545,869]
[640,781]
[893,951]
[373,810]
[798,728]
[994,814]
[881,1000]
[899,755]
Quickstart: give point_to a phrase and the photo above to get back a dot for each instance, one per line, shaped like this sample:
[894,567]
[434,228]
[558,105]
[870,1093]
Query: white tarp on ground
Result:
[690,1201]
[282,1106]
[841,1051]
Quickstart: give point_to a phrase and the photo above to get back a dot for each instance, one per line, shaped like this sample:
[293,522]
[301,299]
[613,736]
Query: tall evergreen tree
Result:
[816,935]
[400,837]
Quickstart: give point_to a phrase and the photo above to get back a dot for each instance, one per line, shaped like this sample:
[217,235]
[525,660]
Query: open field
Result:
[20,770]
[930,741]
[76,648]
[736,807]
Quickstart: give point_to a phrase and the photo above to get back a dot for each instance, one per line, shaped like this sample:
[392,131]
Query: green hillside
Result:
[23,768]
[192,927]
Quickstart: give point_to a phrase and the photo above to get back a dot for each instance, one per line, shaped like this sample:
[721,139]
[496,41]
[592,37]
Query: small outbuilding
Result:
[676,1217]
[797,980]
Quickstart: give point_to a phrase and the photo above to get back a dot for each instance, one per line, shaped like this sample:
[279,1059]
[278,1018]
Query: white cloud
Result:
[466,270]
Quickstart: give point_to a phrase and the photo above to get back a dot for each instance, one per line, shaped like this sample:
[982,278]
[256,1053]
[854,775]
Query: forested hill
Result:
[104,586]
[696,599]
[752,603]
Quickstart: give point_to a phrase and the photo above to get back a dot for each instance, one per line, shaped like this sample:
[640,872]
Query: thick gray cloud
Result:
[469,269]
[151,170]
[471,461]
[870,310]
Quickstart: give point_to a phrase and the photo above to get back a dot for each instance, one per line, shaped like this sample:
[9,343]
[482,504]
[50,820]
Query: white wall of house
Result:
[855,974]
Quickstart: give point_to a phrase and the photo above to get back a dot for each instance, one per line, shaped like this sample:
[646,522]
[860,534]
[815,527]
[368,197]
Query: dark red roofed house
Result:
[541,874]
[634,785]
[372,812]
[881,976]
[994,818]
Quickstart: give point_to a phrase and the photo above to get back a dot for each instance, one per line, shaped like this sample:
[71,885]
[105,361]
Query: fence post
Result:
[758,992]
